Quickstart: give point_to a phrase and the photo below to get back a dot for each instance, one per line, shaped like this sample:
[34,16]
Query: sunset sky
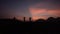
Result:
[29,8]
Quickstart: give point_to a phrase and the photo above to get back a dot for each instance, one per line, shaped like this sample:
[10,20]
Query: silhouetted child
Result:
[24,18]
[30,19]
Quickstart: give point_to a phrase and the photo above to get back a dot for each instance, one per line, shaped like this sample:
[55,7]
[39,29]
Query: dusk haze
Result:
[29,8]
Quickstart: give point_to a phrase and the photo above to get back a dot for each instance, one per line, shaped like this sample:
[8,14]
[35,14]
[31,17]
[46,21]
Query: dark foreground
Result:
[13,26]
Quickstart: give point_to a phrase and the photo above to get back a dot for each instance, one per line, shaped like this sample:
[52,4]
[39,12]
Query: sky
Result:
[29,8]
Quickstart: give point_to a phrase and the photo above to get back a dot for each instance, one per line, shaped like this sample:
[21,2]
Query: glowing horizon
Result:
[30,8]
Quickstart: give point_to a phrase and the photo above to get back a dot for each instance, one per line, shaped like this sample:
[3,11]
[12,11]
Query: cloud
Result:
[46,5]
[44,10]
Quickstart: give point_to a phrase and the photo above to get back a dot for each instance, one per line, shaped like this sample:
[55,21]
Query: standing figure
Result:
[24,18]
[30,19]
[14,18]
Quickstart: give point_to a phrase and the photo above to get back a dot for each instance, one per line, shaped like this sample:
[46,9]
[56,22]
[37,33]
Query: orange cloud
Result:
[54,13]
[42,10]
[36,11]
[39,17]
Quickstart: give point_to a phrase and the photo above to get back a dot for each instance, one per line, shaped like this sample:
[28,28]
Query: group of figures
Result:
[14,20]
[50,26]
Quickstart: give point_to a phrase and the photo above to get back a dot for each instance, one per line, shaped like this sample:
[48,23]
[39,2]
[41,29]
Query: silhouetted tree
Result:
[58,20]
[40,21]
[51,20]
